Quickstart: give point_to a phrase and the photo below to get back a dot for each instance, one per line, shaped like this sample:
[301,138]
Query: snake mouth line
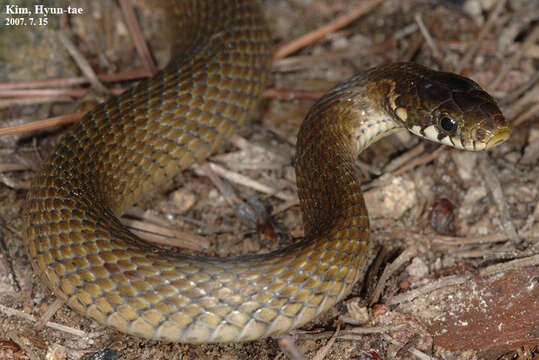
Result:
[498,137]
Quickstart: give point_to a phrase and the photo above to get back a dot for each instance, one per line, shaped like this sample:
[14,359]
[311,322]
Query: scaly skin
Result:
[134,142]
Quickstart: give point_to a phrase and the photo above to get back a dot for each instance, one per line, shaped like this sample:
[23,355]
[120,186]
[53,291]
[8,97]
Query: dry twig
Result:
[493,183]
[16,338]
[82,63]
[48,314]
[425,159]
[418,354]
[509,64]
[460,279]
[10,167]
[510,265]
[485,30]
[428,38]
[321,354]
[290,349]
[136,35]
[399,161]
[41,124]
[404,257]
[412,294]
[13,312]
[352,334]
[167,236]
[66,82]
[13,102]
[246,181]
[313,36]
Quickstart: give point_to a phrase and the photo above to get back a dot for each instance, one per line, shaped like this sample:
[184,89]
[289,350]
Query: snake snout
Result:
[485,136]
[498,137]
[496,128]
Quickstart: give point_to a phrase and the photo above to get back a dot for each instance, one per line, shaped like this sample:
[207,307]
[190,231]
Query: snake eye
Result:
[448,125]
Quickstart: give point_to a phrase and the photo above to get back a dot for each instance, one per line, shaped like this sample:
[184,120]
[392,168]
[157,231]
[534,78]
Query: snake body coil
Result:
[135,142]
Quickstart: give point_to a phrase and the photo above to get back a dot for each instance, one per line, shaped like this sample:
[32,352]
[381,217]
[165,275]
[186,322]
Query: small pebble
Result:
[404,284]
[442,217]
[379,310]
[183,199]
[417,268]
[359,313]
[56,352]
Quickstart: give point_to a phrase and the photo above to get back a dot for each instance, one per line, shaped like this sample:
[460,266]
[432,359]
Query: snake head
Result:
[450,109]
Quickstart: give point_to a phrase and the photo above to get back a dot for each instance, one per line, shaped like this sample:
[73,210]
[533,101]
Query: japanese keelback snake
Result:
[134,142]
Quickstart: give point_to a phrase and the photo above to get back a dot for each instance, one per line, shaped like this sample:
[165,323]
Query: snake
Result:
[136,142]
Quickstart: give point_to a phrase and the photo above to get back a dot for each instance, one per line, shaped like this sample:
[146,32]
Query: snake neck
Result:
[330,139]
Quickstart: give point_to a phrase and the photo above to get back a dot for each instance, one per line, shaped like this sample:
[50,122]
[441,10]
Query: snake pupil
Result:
[448,124]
